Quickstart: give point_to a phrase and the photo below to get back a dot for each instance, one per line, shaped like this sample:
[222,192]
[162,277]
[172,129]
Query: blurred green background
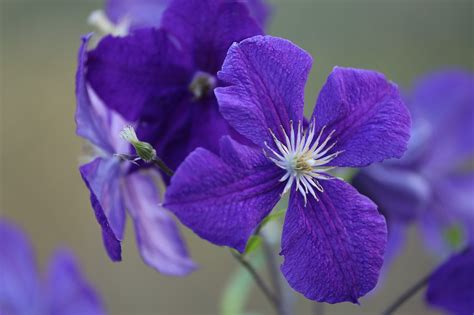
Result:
[40,185]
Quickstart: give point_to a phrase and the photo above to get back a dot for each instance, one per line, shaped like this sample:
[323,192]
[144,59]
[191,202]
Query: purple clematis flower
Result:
[451,287]
[147,13]
[433,184]
[65,290]
[114,186]
[163,79]
[333,238]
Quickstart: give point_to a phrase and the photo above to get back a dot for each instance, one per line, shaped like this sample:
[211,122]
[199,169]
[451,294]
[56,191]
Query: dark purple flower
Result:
[163,79]
[65,290]
[451,287]
[433,183]
[333,237]
[147,13]
[114,187]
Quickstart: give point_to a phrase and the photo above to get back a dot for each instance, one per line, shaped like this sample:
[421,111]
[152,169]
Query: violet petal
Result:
[264,78]
[101,177]
[333,247]
[224,202]
[369,119]
[158,237]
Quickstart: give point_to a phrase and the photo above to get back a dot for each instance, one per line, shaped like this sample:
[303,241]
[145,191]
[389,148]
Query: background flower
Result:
[433,184]
[64,291]
[167,76]
[114,187]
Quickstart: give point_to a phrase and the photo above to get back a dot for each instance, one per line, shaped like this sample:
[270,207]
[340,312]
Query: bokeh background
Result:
[40,185]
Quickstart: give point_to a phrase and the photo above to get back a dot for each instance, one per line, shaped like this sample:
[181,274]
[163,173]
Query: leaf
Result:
[254,242]
[275,215]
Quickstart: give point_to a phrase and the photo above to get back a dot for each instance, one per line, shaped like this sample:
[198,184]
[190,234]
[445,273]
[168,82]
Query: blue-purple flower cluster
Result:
[197,87]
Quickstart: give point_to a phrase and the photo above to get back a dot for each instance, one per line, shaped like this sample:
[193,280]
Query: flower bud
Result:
[144,150]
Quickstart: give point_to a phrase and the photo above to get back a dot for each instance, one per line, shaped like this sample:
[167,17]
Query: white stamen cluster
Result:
[303,158]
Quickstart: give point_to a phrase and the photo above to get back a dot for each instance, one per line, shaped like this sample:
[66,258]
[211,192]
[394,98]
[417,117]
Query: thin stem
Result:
[259,281]
[283,307]
[412,291]
[162,165]
[407,295]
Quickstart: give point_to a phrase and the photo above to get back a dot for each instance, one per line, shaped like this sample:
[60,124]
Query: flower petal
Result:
[451,287]
[19,281]
[69,293]
[450,210]
[139,13]
[139,75]
[400,193]
[265,78]
[260,10]
[101,177]
[334,247]
[207,28]
[92,120]
[158,237]
[371,122]
[443,103]
[221,201]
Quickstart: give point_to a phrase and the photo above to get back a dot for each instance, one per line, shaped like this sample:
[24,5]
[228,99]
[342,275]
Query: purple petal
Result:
[444,103]
[209,134]
[69,293]
[334,247]
[90,124]
[400,193]
[102,178]
[396,240]
[451,206]
[19,282]
[139,75]
[265,78]
[260,10]
[437,95]
[207,28]
[158,237]
[371,122]
[451,287]
[223,202]
[140,13]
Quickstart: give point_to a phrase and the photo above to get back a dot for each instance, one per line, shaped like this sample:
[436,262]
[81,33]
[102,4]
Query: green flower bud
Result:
[144,150]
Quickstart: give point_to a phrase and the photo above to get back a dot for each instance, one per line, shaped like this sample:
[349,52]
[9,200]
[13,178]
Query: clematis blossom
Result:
[333,238]
[64,291]
[163,79]
[114,186]
[451,287]
[433,184]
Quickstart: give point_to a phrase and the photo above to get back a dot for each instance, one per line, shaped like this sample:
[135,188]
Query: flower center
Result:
[202,84]
[304,158]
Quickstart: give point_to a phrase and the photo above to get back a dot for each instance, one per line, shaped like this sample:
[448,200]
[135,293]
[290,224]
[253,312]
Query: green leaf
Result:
[275,215]
[254,242]
[237,292]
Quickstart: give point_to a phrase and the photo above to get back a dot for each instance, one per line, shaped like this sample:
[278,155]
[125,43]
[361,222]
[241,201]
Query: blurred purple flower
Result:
[114,187]
[433,183]
[451,287]
[147,13]
[163,79]
[333,237]
[65,290]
